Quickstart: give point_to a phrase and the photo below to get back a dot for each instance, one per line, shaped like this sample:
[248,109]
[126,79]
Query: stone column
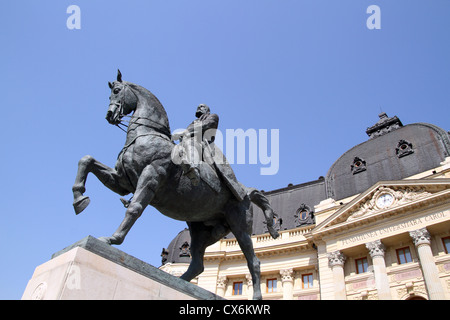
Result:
[336,262]
[221,286]
[376,251]
[288,283]
[422,240]
[249,278]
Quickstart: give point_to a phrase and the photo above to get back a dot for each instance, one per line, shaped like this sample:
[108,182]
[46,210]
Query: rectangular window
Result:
[237,288]
[271,285]
[403,255]
[307,281]
[446,242]
[361,265]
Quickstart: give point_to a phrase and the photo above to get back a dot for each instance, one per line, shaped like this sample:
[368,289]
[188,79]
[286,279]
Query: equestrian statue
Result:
[190,181]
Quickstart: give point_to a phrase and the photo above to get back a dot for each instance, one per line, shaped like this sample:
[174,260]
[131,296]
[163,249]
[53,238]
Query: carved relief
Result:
[359,165]
[222,282]
[376,248]
[249,279]
[336,258]
[384,198]
[365,295]
[411,289]
[420,236]
[184,250]
[404,148]
[39,291]
[164,256]
[287,275]
[304,216]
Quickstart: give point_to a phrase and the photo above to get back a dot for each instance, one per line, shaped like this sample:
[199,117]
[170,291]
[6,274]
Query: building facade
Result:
[377,226]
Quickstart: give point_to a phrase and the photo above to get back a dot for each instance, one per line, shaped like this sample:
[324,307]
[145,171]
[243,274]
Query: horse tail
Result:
[259,199]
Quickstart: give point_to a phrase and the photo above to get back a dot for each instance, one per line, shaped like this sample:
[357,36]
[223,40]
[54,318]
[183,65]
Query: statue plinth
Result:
[90,269]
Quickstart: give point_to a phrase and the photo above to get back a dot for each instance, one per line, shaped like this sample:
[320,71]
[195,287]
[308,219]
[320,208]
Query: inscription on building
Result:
[384,232]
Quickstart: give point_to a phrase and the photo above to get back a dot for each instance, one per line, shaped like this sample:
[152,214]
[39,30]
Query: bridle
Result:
[134,120]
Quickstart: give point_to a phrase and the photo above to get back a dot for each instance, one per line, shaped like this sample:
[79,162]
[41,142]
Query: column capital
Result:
[222,282]
[249,279]
[376,248]
[287,275]
[336,258]
[420,237]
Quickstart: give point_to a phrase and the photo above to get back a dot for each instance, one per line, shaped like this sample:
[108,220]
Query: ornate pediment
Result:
[387,198]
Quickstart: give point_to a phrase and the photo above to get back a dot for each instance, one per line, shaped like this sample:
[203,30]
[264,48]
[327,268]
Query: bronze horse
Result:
[144,168]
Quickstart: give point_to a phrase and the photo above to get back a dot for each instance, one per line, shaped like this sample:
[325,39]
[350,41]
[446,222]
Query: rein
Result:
[162,129]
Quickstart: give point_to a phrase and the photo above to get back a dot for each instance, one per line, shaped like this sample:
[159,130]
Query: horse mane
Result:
[152,102]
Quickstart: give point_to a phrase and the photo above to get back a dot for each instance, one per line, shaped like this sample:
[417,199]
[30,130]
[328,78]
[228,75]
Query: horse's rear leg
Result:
[239,219]
[201,237]
[105,174]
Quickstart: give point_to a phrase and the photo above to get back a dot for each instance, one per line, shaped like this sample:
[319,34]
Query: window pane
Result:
[361,265]
[407,255]
[447,245]
[404,255]
[401,256]
[237,288]
[307,280]
[272,285]
[310,281]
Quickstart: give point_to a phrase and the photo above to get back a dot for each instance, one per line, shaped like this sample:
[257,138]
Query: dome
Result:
[393,152]
[178,250]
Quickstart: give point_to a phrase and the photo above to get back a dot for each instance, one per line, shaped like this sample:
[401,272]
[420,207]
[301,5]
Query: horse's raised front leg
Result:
[108,176]
[147,183]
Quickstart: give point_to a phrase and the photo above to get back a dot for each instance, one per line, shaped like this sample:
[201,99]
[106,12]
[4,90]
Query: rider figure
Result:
[197,146]
[194,139]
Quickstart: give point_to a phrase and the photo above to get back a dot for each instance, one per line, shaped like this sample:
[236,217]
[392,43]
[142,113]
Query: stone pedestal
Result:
[91,269]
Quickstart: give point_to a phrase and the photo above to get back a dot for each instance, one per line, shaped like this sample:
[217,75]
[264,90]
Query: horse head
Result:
[123,100]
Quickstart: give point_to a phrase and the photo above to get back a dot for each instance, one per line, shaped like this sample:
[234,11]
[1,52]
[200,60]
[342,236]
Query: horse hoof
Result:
[81,204]
[111,240]
[106,240]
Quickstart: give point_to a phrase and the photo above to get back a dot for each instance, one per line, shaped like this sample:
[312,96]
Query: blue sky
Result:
[311,69]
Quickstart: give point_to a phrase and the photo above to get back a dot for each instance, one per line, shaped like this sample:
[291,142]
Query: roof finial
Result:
[383,115]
